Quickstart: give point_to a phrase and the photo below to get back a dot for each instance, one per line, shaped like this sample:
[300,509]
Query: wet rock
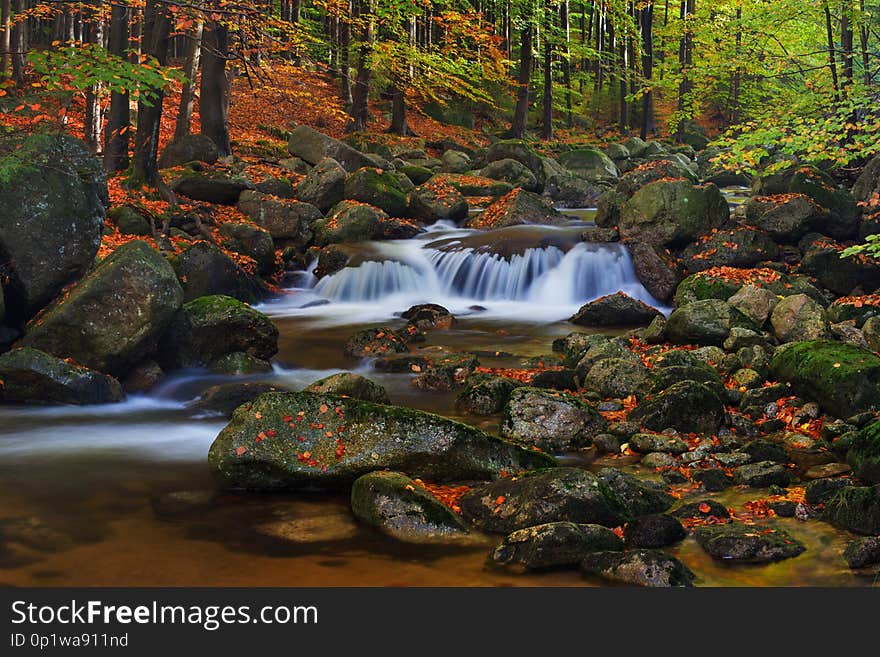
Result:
[864,454]
[842,276]
[667,376]
[564,379]
[308,530]
[786,218]
[378,188]
[429,316]
[645,443]
[843,379]
[615,310]
[323,186]
[189,148]
[798,318]
[210,186]
[654,531]
[843,215]
[437,200]
[210,327]
[400,508]
[513,172]
[687,406]
[347,384]
[239,363]
[738,543]
[54,200]
[114,316]
[856,509]
[706,322]
[30,376]
[656,269]
[827,470]
[550,421]
[616,377]
[313,147]
[764,450]
[740,247]
[486,396]
[554,545]
[762,474]
[375,342]
[517,208]
[143,377]
[469,185]
[251,241]
[285,219]
[713,479]
[754,302]
[655,460]
[639,497]
[702,510]
[522,152]
[559,494]
[863,552]
[652,568]
[349,221]
[606,443]
[226,397]
[204,270]
[34,533]
[567,190]
[315,452]
[589,163]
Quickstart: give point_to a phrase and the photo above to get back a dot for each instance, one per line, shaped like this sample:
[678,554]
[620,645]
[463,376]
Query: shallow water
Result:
[77,483]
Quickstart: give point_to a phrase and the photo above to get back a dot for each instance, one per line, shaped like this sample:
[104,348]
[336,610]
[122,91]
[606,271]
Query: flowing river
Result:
[78,484]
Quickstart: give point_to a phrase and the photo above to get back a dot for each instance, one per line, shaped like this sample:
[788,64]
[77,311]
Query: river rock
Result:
[400,508]
[349,221]
[797,318]
[346,384]
[656,269]
[737,543]
[616,377]
[864,455]
[189,148]
[313,147]
[239,363]
[248,240]
[304,440]
[550,421]
[647,443]
[867,187]
[741,247]
[617,309]
[113,317]
[840,275]
[754,302]
[226,397]
[513,172]
[323,186]
[486,396]
[429,316]
[590,163]
[856,509]
[30,376]
[455,161]
[204,270]
[378,188]
[554,545]
[209,327]
[559,494]
[517,208]
[672,213]
[863,552]
[285,219]
[566,190]
[687,406]
[654,531]
[762,474]
[371,343]
[210,186]
[786,218]
[522,152]
[54,200]
[652,568]
[437,200]
[470,185]
[843,214]
[706,322]
[843,379]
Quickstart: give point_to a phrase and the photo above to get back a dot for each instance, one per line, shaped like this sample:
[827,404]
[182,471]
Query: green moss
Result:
[855,508]
[864,455]
[699,287]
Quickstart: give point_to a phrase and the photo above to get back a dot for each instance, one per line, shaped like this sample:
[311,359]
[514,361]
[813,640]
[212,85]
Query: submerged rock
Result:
[304,440]
[748,543]
[554,545]
[30,376]
[652,568]
[226,397]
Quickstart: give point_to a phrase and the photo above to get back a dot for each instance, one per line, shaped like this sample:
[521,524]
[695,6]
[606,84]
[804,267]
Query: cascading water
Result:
[540,273]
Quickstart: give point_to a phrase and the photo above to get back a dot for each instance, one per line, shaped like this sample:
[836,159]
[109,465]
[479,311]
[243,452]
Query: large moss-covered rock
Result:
[864,455]
[517,208]
[53,195]
[203,270]
[840,275]
[842,378]
[113,317]
[567,190]
[639,497]
[323,186]
[513,172]
[251,241]
[589,163]
[653,568]
[740,247]
[470,185]
[706,322]
[210,186]
[209,327]
[843,214]
[346,384]
[349,221]
[437,200]
[379,188]
[616,377]
[30,376]
[285,219]
[856,509]
[867,186]
[189,148]
[672,212]
[312,146]
[786,217]
[615,310]
[724,282]
[304,440]
[686,406]
[554,545]
[486,396]
[559,494]
[399,507]
[519,150]
[737,543]
[552,421]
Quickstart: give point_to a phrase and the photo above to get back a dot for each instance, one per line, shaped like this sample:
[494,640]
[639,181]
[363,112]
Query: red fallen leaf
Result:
[271,433]
[704,508]
[324,408]
[500,500]
[287,418]
[240,450]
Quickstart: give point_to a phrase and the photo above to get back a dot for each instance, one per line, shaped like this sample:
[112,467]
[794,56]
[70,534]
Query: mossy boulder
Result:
[371,343]
[740,247]
[842,378]
[189,148]
[639,497]
[285,219]
[553,545]
[854,309]
[54,200]
[455,161]
[549,420]
[737,543]
[486,396]
[129,221]
[856,509]
[517,208]
[724,282]
[224,398]
[323,186]
[349,221]
[210,327]
[402,509]
[798,318]
[558,494]
[204,270]
[304,440]
[437,200]
[864,455]
[687,406]
[705,322]
[672,212]
[210,186]
[840,275]
[616,377]
[589,163]
[843,213]
[651,568]
[868,184]
[756,303]
[567,190]
[30,376]
[312,146]
[513,172]
[251,241]
[346,384]
[617,309]
[472,185]
[786,217]
[378,188]
[656,268]
[522,152]
[239,363]
[113,317]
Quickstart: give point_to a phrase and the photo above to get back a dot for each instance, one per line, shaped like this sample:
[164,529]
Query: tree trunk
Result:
[737,75]
[547,123]
[832,55]
[19,43]
[214,96]
[93,115]
[399,125]
[686,59]
[361,92]
[116,136]
[345,61]
[521,113]
[191,70]
[564,22]
[5,35]
[863,39]
[846,44]
[647,25]
[156,28]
